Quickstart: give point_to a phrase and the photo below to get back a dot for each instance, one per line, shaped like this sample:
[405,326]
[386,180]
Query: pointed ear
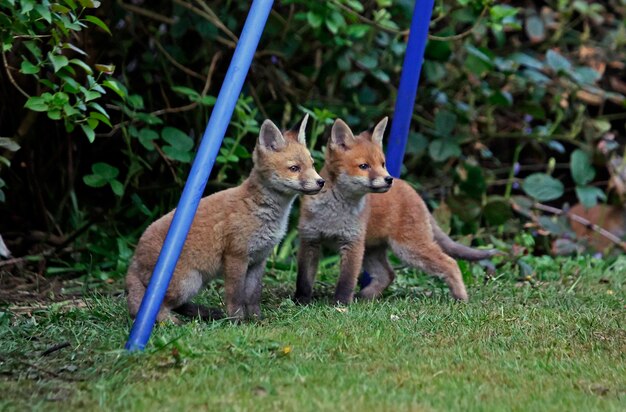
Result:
[341,137]
[270,137]
[379,131]
[302,130]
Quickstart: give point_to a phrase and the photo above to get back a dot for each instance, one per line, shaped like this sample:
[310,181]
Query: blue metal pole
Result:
[409,80]
[199,174]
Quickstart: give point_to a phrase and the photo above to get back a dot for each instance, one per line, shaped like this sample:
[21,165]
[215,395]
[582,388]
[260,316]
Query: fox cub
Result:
[363,211]
[233,231]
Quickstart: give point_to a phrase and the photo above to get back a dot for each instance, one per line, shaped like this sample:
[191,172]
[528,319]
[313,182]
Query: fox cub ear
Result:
[379,131]
[302,130]
[341,136]
[271,138]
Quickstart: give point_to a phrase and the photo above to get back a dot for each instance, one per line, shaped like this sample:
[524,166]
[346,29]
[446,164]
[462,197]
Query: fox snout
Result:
[381,184]
[313,185]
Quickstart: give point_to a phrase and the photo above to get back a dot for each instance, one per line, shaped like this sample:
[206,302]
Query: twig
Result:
[577,218]
[463,34]
[146,13]
[32,36]
[175,63]
[216,21]
[212,18]
[167,161]
[55,348]
[11,79]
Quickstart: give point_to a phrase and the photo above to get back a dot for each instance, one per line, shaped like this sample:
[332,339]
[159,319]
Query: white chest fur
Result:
[333,218]
[273,219]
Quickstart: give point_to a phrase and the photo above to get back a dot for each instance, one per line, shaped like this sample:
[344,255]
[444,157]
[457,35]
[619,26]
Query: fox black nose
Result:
[320,182]
[389,180]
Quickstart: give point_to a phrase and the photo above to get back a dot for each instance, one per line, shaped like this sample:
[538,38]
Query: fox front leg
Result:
[308,260]
[253,288]
[351,260]
[235,268]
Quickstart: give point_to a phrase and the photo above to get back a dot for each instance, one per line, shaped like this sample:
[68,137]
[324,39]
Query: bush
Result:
[516,98]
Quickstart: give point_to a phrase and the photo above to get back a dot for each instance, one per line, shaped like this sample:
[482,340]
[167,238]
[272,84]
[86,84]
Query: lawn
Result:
[552,342]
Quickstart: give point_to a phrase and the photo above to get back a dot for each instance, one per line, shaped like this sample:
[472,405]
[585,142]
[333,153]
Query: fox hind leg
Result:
[432,260]
[376,263]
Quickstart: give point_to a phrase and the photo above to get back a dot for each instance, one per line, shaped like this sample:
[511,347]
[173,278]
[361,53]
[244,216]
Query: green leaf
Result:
[466,208]
[479,61]
[581,168]
[445,122]
[542,187]
[176,154]
[177,138]
[557,62]
[117,87]
[100,117]
[98,22]
[148,118]
[207,101]
[36,103]
[44,12]
[443,149]
[9,144]
[353,79]
[146,137]
[315,20]
[91,135]
[136,101]
[497,211]
[501,98]
[500,12]
[186,91]
[526,60]
[91,95]
[28,68]
[117,186]
[585,75]
[54,114]
[105,171]
[58,8]
[473,182]
[589,195]
[357,31]
[535,29]
[27,6]
[94,181]
[105,68]
[58,61]
[82,65]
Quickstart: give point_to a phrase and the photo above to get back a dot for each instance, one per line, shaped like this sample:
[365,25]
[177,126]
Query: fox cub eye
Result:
[383,165]
[294,168]
[364,166]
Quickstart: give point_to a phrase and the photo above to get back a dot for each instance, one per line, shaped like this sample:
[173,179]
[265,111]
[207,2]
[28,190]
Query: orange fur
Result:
[233,231]
[363,214]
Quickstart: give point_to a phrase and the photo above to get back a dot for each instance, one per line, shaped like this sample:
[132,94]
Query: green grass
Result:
[557,344]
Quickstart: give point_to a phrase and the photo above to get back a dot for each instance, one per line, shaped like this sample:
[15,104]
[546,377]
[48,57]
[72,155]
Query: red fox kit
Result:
[233,231]
[364,212]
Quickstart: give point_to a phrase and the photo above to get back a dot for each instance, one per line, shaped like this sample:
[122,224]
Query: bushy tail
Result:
[193,310]
[457,250]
